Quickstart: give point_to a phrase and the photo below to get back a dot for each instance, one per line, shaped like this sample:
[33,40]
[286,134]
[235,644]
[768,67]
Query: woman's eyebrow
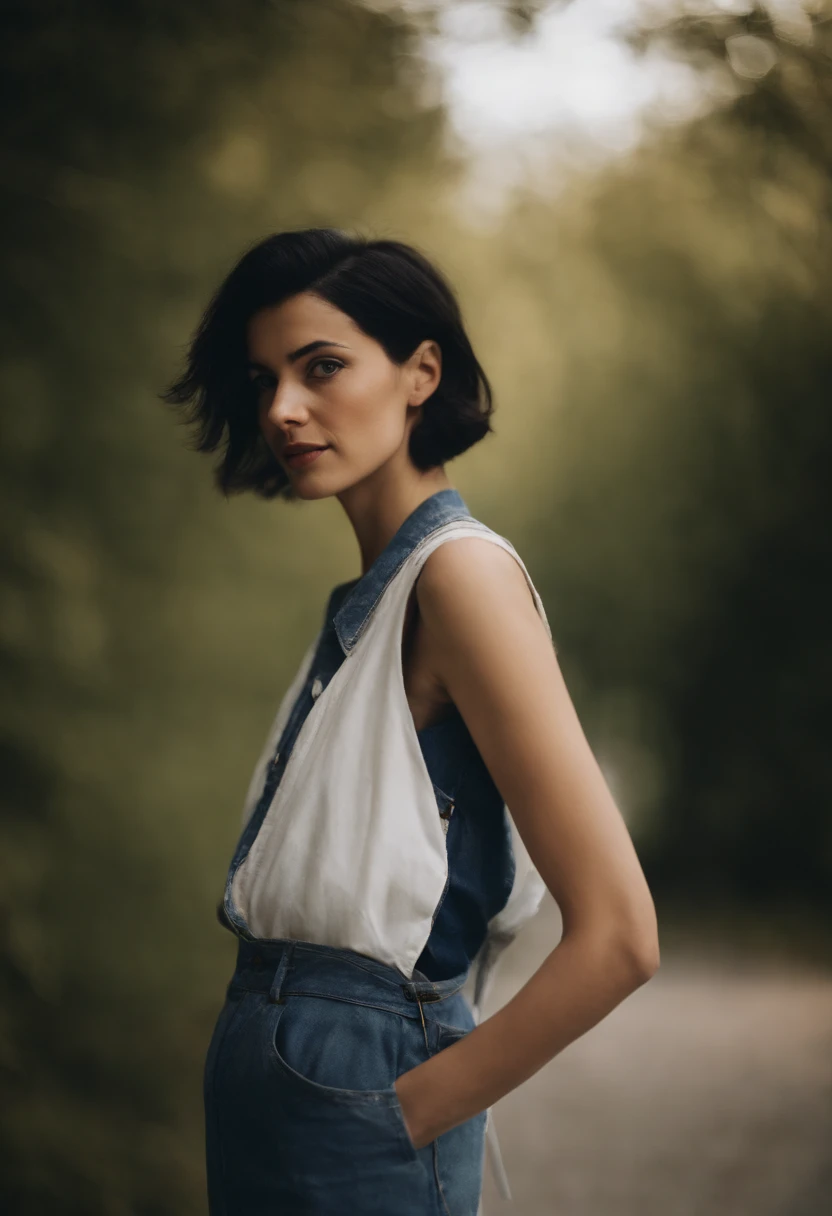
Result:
[294,355]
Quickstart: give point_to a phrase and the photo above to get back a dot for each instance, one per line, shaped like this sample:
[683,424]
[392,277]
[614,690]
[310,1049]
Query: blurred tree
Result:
[753,772]
[145,144]
[685,543]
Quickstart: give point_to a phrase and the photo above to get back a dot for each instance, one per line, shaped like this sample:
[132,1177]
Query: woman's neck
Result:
[378,506]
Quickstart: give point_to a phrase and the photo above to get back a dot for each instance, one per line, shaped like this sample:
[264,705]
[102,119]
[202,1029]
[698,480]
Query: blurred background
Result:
[632,200]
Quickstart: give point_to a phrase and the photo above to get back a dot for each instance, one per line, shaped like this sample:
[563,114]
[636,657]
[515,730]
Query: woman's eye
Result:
[261,383]
[333,363]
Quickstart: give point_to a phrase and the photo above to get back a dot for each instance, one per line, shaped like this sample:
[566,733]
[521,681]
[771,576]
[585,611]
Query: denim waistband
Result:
[283,966]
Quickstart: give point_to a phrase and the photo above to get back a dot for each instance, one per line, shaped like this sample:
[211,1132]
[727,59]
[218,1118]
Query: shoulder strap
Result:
[276,730]
[398,591]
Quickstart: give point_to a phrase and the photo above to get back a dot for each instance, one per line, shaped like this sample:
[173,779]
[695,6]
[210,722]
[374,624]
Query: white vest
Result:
[351,852]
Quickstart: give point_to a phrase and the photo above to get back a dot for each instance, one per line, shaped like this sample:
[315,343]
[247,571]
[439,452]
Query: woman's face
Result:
[323,384]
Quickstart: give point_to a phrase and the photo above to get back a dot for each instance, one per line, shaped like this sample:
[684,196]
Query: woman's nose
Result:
[287,407]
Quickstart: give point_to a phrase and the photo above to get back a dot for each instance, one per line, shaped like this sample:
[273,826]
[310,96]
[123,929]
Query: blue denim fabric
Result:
[481,864]
[302,1116]
[480,858]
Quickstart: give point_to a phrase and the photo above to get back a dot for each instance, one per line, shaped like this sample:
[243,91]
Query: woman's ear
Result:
[427,371]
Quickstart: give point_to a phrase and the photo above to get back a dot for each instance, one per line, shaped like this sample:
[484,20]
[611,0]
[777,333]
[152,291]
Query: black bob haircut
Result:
[389,289]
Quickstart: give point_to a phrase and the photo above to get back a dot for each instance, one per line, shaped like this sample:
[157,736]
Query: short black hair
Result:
[390,290]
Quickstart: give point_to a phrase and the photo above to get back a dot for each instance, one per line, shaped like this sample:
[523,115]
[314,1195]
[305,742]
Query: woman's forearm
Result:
[577,985]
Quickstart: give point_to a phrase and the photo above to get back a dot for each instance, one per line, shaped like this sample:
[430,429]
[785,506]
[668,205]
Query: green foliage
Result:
[148,627]
[684,546]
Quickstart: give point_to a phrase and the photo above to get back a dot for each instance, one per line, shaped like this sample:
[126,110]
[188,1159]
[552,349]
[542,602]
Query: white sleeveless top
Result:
[351,852]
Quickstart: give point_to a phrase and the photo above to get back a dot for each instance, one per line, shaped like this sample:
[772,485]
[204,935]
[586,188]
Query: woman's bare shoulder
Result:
[469,576]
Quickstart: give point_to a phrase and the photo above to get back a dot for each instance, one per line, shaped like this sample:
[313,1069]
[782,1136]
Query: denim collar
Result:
[440,508]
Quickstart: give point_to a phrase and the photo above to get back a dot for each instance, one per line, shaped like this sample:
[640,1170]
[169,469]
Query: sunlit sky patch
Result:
[569,90]
[572,70]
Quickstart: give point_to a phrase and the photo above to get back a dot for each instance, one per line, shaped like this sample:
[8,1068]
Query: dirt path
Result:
[707,1093]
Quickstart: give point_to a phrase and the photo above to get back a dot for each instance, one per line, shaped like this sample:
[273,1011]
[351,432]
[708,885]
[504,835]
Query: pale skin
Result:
[474,639]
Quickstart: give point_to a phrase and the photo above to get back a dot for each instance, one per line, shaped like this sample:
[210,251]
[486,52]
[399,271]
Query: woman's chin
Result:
[312,484]
[313,487]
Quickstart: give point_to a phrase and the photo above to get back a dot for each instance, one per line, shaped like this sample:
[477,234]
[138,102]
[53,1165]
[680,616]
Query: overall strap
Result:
[390,610]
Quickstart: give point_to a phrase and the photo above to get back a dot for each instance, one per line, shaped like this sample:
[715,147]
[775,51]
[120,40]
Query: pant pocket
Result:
[337,1127]
[284,1142]
[344,1057]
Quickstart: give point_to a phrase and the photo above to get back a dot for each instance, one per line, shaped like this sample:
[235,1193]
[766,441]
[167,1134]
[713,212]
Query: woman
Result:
[378,859]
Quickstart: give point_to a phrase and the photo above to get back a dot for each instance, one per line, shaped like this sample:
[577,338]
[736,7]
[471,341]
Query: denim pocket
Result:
[337,1049]
[324,1050]
[321,1102]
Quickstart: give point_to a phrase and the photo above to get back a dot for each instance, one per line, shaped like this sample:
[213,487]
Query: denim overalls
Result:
[301,1112]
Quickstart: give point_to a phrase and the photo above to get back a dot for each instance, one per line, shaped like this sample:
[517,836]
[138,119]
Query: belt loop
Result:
[280,975]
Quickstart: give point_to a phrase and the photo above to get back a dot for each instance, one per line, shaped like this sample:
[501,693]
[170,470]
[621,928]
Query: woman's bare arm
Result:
[490,650]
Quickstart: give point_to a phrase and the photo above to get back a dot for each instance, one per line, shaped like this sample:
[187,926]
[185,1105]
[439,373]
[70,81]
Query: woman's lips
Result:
[300,460]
